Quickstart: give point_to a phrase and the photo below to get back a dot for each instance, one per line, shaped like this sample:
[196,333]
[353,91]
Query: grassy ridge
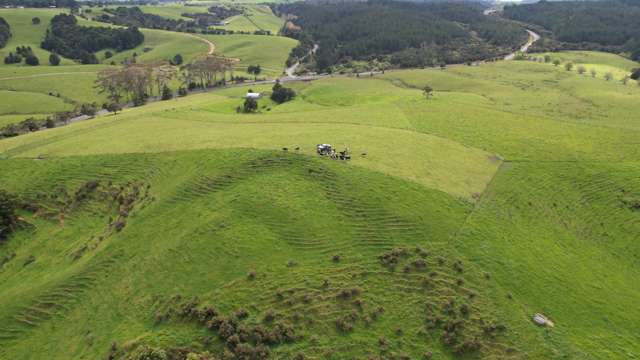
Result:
[242,195]
[549,225]
[255,17]
[210,121]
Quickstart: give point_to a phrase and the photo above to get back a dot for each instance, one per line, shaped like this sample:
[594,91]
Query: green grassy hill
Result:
[255,17]
[184,226]
[25,33]
[58,88]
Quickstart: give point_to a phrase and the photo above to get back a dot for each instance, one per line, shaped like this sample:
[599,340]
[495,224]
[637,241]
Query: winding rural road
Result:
[291,70]
[212,46]
[533,37]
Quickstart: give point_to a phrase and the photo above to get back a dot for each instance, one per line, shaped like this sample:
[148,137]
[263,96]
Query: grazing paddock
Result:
[511,191]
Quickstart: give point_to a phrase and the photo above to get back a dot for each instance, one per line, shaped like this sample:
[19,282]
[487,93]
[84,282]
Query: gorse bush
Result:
[8,216]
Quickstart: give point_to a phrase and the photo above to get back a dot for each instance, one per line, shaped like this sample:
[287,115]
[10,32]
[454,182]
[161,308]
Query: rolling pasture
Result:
[58,88]
[513,190]
[25,33]
[255,17]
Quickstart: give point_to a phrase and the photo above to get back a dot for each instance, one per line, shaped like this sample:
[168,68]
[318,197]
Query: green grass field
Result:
[255,17]
[27,34]
[270,52]
[512,191]
[74,83]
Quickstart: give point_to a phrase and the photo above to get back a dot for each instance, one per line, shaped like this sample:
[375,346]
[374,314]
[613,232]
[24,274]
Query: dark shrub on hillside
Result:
[54,59]
[12,59]
[167,94]
[282,94]
[5,32]
[250,105]
[8,216]
[177,60]
[32,60]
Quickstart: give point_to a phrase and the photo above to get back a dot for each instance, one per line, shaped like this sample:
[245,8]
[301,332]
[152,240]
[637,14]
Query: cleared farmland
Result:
[513,190]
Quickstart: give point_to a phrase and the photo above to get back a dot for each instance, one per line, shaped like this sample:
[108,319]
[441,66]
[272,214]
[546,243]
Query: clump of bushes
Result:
[281,94]
[8,215]
[391,259]
[242,341]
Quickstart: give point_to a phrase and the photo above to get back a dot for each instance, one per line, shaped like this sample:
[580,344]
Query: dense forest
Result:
[40,3]
[5,32]
[597,25]
[406,34]
[70,40]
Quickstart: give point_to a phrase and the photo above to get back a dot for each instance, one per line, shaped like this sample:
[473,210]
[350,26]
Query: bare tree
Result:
[137,82]
[205,70]
[109,82]
[162,75]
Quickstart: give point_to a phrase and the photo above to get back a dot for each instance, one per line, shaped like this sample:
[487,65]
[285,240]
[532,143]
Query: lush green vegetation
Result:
[188,229]
[270,52]
[455,33]
[40,3]
[26,33]
[71,40]
[592,25]
[255,18]
[509,191]
[5,32]
[134,16]
[69,85]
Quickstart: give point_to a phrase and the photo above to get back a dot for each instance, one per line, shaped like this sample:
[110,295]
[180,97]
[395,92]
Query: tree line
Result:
[5,32]
[134,16]
[67,38]
[406,33]
[40,3]
[589,25]
[135,83]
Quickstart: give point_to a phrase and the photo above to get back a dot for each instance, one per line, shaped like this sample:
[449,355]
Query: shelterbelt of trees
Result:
[40,3]
[134,16]
[77,42]
[589,25]
[5,32]
[409,34]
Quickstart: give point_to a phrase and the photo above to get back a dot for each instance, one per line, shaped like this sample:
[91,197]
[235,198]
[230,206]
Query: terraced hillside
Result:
[185,227]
